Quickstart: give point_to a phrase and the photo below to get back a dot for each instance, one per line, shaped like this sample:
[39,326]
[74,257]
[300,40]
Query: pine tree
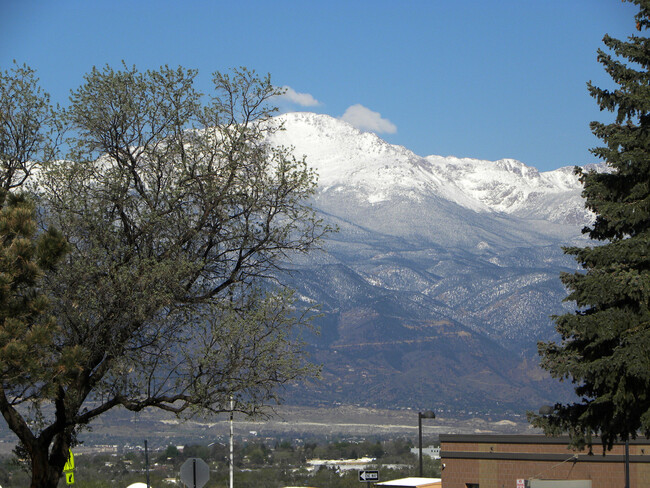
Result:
[605,347]
[28,353]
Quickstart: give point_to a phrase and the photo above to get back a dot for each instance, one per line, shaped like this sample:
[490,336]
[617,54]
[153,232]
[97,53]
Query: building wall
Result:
[498,461]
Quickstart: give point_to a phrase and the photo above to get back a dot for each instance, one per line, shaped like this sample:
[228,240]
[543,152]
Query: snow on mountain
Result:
[502,185]
[346,158]
[440,264]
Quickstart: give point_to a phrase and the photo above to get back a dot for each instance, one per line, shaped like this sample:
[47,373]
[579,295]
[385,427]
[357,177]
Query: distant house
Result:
[341,464]
[430,451]
[530,461]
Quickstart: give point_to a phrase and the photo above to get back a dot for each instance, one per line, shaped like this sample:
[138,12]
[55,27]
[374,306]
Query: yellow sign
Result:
[69,478]
[69,465]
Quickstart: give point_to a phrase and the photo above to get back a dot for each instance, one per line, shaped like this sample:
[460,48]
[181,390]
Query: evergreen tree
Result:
[605,347]
[29,355]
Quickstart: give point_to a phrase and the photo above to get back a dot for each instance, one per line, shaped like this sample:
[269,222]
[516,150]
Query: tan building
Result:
[522,461]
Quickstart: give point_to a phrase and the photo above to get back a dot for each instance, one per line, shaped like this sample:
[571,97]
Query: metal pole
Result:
[146,460]
[232,449]
[627,463]
[420,439]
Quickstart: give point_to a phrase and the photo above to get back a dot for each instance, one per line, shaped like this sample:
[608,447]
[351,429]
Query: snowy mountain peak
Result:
[342,155]
[347,159]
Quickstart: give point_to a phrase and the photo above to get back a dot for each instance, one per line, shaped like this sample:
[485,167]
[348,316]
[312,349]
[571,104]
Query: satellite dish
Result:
[136,485]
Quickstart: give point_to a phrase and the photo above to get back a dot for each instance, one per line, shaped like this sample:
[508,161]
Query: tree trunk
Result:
[46,470]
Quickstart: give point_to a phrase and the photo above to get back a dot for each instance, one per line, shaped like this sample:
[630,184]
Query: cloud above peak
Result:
[303,99]
[365,119]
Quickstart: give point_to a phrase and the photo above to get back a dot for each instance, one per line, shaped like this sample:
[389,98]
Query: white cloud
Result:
[365,119]
[302,99]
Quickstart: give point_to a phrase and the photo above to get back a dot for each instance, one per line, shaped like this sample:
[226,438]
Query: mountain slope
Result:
[442,277]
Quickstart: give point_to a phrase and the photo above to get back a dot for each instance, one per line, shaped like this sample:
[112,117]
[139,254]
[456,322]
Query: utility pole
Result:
[232,444]
[428,414]
[627,463]
[146,461]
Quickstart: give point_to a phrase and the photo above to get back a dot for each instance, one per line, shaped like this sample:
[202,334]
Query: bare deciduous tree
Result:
[176,212]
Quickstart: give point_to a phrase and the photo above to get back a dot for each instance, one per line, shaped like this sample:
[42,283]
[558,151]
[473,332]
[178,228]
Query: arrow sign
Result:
[368,476]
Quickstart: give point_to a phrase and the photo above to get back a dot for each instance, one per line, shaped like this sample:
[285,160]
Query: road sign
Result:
[69,465]
[367,476]
[68,468]
[195,473]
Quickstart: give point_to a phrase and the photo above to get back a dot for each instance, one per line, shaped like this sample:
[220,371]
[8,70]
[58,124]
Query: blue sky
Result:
[488,79]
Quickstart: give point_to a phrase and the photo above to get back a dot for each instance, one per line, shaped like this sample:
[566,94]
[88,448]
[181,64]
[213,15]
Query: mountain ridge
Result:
[349,157]
[440,264]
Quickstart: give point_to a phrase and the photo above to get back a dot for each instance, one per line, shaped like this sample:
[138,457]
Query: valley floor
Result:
[122,431]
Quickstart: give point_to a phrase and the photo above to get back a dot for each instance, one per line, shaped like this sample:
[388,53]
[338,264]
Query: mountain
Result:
[442,277]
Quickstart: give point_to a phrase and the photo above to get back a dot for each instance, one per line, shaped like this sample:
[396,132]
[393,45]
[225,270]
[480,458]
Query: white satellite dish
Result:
[136,485]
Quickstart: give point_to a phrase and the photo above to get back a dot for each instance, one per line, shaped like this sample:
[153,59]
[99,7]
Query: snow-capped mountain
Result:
[440,264]
[345,157]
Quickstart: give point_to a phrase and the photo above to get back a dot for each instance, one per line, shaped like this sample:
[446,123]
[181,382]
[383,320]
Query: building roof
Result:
[412,483]
[522,439]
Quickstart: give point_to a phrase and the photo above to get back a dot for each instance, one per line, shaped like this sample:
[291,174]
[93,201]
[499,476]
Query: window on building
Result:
[471,485]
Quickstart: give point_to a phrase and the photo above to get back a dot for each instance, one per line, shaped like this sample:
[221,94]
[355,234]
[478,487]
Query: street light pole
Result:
[627,463]
[420,439]
[428,414]
[232,444]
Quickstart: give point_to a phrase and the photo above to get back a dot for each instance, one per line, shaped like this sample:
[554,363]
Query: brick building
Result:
[514,461]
